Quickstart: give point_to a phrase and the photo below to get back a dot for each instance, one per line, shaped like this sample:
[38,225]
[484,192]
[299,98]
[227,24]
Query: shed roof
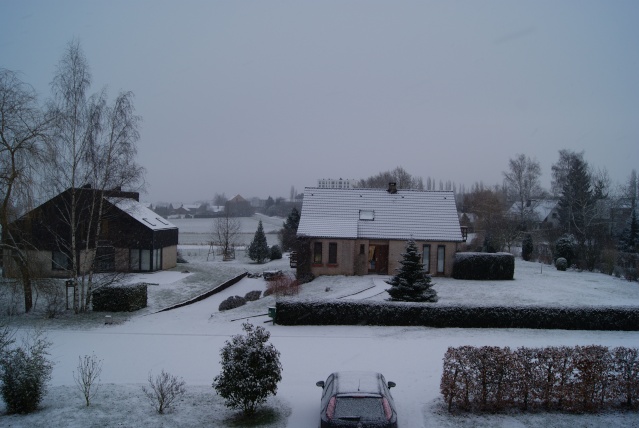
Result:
[407,214]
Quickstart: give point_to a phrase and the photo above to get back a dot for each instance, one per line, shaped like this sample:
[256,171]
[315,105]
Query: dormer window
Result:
[368,215]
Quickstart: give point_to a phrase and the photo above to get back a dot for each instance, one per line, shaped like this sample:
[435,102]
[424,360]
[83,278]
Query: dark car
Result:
[357,399]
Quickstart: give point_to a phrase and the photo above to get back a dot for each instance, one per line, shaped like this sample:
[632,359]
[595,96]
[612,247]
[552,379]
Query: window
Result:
[332,253]
[60,261]
[317,253]
[105,259]
[441,254]
[426,258]
[134,259]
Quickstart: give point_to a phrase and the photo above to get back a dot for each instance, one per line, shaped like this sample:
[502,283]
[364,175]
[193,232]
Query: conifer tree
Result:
[258,250]
[411,283]
[288,234]
[629,240]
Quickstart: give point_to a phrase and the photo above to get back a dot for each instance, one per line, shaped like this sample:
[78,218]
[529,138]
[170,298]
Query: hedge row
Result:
[120,298]
[481,266]
[341,312]
[579,379]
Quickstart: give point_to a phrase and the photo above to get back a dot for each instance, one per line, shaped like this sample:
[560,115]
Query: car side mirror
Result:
[391,385]
[320,384]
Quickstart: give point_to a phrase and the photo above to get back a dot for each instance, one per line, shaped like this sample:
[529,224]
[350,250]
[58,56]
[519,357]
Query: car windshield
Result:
[368,408]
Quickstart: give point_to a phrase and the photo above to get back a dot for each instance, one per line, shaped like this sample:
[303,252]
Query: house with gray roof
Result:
[364,231]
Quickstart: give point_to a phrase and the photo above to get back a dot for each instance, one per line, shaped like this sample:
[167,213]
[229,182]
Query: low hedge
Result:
[481,266]
[120,298]
[574,379]
[341,312]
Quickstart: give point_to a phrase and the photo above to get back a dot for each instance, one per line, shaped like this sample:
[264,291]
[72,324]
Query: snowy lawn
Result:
[186,342]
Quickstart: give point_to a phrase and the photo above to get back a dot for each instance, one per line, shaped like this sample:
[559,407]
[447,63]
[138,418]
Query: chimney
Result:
[392,188]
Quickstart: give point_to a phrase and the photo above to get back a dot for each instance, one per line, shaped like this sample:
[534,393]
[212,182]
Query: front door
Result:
[378,259]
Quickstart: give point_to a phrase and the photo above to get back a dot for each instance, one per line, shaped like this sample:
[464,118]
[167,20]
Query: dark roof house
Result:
[131,236]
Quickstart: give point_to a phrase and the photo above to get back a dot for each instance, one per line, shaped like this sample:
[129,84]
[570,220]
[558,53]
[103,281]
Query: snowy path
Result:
[377,288]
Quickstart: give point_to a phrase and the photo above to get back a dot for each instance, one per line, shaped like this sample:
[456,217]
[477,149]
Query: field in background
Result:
[198,231]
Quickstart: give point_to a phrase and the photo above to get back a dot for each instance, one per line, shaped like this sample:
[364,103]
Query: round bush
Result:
[561,264]
[275,253]
[232,302]
[252,296]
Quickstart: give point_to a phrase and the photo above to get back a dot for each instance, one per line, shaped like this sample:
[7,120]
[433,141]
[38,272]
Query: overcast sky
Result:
[253,97]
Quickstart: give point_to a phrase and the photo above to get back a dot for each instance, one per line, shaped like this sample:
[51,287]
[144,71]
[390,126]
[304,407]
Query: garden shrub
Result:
[251,369]
[24,373]
[275,252]
[565,247]
[481,266]
[120,298]
[578,379]
[232,303]
[345,312]
[252,296]
[283,285]
[561,264]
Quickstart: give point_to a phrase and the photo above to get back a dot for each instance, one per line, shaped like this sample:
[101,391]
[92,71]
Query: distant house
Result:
[542,212]
[132,237]
[239,207]
[364,231]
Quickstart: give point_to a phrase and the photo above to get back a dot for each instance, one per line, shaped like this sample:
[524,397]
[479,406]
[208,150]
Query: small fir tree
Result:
[629,239]
[527,247]
[251,369]
[258,250]
[411,283]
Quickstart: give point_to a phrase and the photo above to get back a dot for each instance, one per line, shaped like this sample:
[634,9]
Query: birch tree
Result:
[522,185]
[94,146]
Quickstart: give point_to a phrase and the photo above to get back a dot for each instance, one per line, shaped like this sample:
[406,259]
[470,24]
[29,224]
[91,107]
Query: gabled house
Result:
[543,213]
[364,231]
[131,238]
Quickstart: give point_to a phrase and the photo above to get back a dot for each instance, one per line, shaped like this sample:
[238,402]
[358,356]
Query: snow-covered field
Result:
[186,342]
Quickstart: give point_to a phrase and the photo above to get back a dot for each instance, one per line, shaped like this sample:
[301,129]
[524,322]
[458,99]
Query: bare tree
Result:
[522,185]
[163,390]
[23,129]
[225,233]
[399,176]
[94,147]
[87,377]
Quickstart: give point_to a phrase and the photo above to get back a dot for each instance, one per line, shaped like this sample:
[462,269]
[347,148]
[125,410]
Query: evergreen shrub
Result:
[232,303]
[527,247]
[561,264]
[343,312]
[275,252]
[120,298]
[24,373]
[252,296]
[481,266]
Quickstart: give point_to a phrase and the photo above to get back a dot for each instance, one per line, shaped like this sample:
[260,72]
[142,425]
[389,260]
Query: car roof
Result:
[357,381]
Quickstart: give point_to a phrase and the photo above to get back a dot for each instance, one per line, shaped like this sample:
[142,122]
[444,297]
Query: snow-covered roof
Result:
[141,213]
[541,208]
[378,214]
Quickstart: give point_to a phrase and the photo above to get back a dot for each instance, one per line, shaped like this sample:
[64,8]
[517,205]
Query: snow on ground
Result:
[186,342]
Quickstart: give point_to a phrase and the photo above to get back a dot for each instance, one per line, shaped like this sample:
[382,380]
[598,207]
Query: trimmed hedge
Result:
[342,312]
[494,266]
[120,298]
[575,379]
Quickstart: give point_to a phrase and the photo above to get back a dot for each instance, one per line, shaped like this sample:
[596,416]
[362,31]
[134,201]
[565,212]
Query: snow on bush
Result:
[251,369]
[582,378]
[483,266]
[231,303]
[24,372]
[561,264]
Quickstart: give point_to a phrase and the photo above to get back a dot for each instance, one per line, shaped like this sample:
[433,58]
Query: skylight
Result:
[368,215]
